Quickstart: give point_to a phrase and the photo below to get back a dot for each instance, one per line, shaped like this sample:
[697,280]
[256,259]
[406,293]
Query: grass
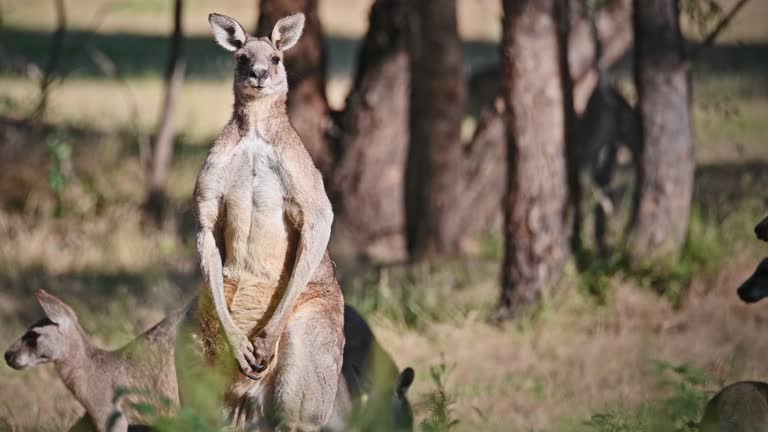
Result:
[575,358]
[704,248]
[678,412]
[415,296]
[439,403]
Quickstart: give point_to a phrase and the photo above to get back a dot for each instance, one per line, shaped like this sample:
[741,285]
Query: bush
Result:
[439,402]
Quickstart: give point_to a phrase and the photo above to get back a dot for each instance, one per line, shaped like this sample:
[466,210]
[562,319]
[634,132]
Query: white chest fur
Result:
[266,185]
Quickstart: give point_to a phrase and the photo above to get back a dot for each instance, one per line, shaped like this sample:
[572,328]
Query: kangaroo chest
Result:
[254,202]
[258,239]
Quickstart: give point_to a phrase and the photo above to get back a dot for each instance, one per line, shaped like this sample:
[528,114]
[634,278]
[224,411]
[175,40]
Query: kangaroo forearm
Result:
[311,249]
[211,265]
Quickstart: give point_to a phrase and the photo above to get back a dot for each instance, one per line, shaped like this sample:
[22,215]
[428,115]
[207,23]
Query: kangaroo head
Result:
[48,339]
[761,230]
[402,412]
[756,287]
[259,69]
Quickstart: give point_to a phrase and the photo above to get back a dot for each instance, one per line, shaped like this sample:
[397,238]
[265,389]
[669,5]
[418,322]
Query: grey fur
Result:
[739,407]
[144,367]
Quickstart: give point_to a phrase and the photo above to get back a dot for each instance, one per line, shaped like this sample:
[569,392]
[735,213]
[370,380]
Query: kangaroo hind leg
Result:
[308,367]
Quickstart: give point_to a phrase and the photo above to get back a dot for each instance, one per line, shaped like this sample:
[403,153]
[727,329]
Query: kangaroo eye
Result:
[241,59]
[275,60]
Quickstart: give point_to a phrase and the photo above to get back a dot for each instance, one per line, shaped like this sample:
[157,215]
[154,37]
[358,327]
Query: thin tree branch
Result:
[719,28]
[53,60]
[109,68]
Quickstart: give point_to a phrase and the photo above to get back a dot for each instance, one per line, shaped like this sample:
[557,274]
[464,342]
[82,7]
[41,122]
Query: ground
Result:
[582,353]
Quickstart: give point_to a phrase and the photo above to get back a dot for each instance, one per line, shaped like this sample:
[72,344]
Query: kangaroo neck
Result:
[261,114]
[79,365]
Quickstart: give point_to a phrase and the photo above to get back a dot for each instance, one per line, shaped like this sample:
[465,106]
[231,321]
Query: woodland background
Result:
[547,222]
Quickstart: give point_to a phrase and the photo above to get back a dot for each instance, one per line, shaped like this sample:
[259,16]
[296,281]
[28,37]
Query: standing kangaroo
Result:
[272,302]
[93,375]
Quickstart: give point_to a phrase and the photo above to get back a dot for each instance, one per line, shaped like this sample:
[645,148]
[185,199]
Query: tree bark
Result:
[435,153]
[667,157]
[367,187]
[162,150]
[485,152]
[536,233]
[563,24]
[305,62]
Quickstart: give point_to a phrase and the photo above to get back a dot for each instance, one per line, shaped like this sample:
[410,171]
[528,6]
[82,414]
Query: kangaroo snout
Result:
[259,73]
[748,294]
[12,360]
[9,357]
[756,287]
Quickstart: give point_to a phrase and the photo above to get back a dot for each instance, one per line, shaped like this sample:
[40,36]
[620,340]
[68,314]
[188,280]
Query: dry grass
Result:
[730,131]
[573,359]
[479,19]
[577,359]
[204,106]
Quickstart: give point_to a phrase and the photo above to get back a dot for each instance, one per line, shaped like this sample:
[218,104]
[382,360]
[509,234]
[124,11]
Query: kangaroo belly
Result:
[256,274]
[252,300]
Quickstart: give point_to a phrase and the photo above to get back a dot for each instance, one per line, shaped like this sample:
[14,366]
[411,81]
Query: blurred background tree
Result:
[372,143]
[433,182]
[536,234]
[162,149]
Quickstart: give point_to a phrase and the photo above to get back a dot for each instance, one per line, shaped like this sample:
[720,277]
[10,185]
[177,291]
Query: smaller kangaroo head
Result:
[259,69]
[756,287]
[48,339]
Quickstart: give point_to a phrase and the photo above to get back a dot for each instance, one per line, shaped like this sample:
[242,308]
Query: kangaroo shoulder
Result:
[297,165]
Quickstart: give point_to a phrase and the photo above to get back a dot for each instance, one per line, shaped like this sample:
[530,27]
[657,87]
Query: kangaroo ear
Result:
[287,31]
[227,32]
[761,230]
[56,310]
[404,381]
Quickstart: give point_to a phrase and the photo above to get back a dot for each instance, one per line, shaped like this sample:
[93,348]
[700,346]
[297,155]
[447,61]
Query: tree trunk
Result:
[485,152]
[667,160]
[536,201]
[435,153]
[305,63]
[367,187]
[563,23]
[163,146]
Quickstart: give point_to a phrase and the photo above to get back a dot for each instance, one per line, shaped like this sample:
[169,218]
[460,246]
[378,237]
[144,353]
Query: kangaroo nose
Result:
[259,73]
[8,357]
